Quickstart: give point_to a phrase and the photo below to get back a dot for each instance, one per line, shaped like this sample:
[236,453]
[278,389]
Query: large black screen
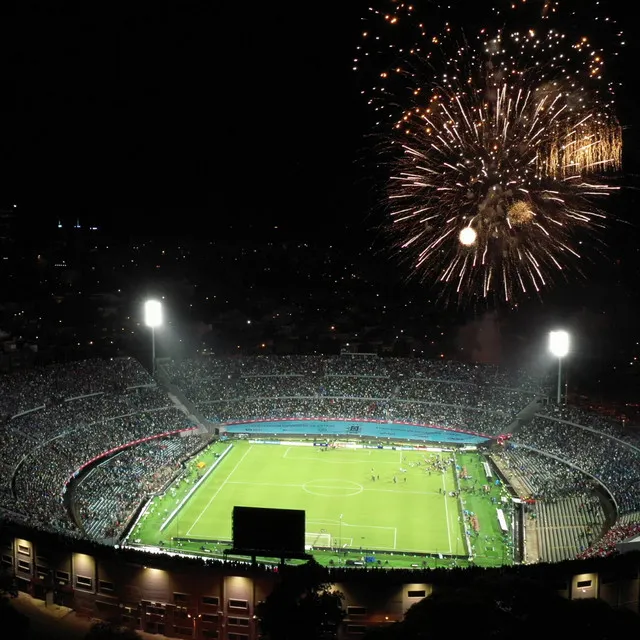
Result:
[277,531]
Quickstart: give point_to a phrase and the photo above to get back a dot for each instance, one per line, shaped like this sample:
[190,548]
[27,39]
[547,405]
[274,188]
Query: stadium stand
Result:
[614,462]
[58,419]
[103,508]
[61,418]
[455,395]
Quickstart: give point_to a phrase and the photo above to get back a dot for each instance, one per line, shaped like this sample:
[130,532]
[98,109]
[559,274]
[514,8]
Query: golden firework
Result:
[503,140]
[520,213]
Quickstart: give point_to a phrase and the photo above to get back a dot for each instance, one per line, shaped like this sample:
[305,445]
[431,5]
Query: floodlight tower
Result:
[559,347]
[153,319]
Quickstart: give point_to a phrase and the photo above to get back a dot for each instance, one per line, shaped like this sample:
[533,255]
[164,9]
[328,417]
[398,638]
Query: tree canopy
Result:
[301,606]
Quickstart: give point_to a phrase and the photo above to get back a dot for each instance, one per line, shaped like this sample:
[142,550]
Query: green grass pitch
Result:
[345,507]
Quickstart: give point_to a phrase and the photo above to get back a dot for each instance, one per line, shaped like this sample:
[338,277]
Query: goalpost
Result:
[317,540]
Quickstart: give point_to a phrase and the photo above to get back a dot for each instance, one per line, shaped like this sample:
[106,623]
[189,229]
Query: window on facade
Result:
[62,577]
[24,550]
[211,600]
[210,617]
[584,584]
[42,572]
[356,628]
[209,633]
[356,611]
[7,560]
[84,582]
[183,631]
[105,586]
[24,565]
[417,593]
[239,622]
[238,604]
[180,598]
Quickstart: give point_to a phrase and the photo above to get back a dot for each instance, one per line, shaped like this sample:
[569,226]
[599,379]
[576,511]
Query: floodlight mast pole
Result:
[153,319]
[153,358]
[559,347]
[559,380]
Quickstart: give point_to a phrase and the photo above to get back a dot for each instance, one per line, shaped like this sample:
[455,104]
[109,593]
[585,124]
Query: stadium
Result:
[401,464]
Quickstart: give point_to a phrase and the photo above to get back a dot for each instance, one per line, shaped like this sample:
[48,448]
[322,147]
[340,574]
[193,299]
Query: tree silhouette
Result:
[15,625]
[111,631]
[506,608]
[301,606]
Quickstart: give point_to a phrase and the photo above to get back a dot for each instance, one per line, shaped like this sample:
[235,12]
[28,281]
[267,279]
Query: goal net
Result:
[317,540]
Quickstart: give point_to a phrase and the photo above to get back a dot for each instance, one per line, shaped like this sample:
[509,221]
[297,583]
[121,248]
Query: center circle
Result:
[333,488]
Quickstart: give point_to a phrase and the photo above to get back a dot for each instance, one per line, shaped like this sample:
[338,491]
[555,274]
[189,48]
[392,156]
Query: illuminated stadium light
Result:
[559,347]
[152,313]
[153,319]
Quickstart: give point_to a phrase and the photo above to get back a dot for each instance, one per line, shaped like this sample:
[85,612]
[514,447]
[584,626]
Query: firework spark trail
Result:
[488,192]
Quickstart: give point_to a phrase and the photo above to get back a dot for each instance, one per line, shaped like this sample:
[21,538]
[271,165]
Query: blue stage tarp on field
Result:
[341,428]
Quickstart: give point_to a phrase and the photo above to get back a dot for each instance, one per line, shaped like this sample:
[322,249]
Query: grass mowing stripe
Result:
[211,499]
[196,486]
[404,515]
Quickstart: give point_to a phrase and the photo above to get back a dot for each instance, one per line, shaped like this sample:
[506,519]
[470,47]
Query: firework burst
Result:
[498,161]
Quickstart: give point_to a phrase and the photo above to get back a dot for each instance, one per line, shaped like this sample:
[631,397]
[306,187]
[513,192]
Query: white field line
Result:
[302,486]
[195,487]
[446,509]
[212,498]
[266,484]
[414,493]
[326,460]
[346,524]
[336,523]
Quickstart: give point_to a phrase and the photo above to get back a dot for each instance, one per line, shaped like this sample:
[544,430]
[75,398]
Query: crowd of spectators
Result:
[601,446]
[355,365]
[590,420]
[476,398]
[58,419]
[542,478]
[607,544]
[30,388]
[100,503]
[613,462]
[41,477]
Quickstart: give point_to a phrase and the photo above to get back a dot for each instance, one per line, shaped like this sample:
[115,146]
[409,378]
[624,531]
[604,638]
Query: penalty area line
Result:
[446,509]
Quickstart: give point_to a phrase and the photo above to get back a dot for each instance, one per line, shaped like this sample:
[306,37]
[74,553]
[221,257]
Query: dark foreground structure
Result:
[194,598]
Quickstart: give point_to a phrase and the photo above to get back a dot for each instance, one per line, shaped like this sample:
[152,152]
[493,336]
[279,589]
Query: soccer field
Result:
[345,506]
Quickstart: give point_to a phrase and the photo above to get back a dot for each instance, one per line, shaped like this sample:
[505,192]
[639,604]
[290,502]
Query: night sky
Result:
[243,120]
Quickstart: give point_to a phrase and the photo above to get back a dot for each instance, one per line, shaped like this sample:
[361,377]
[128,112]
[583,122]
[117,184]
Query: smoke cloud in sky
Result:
[481,339]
